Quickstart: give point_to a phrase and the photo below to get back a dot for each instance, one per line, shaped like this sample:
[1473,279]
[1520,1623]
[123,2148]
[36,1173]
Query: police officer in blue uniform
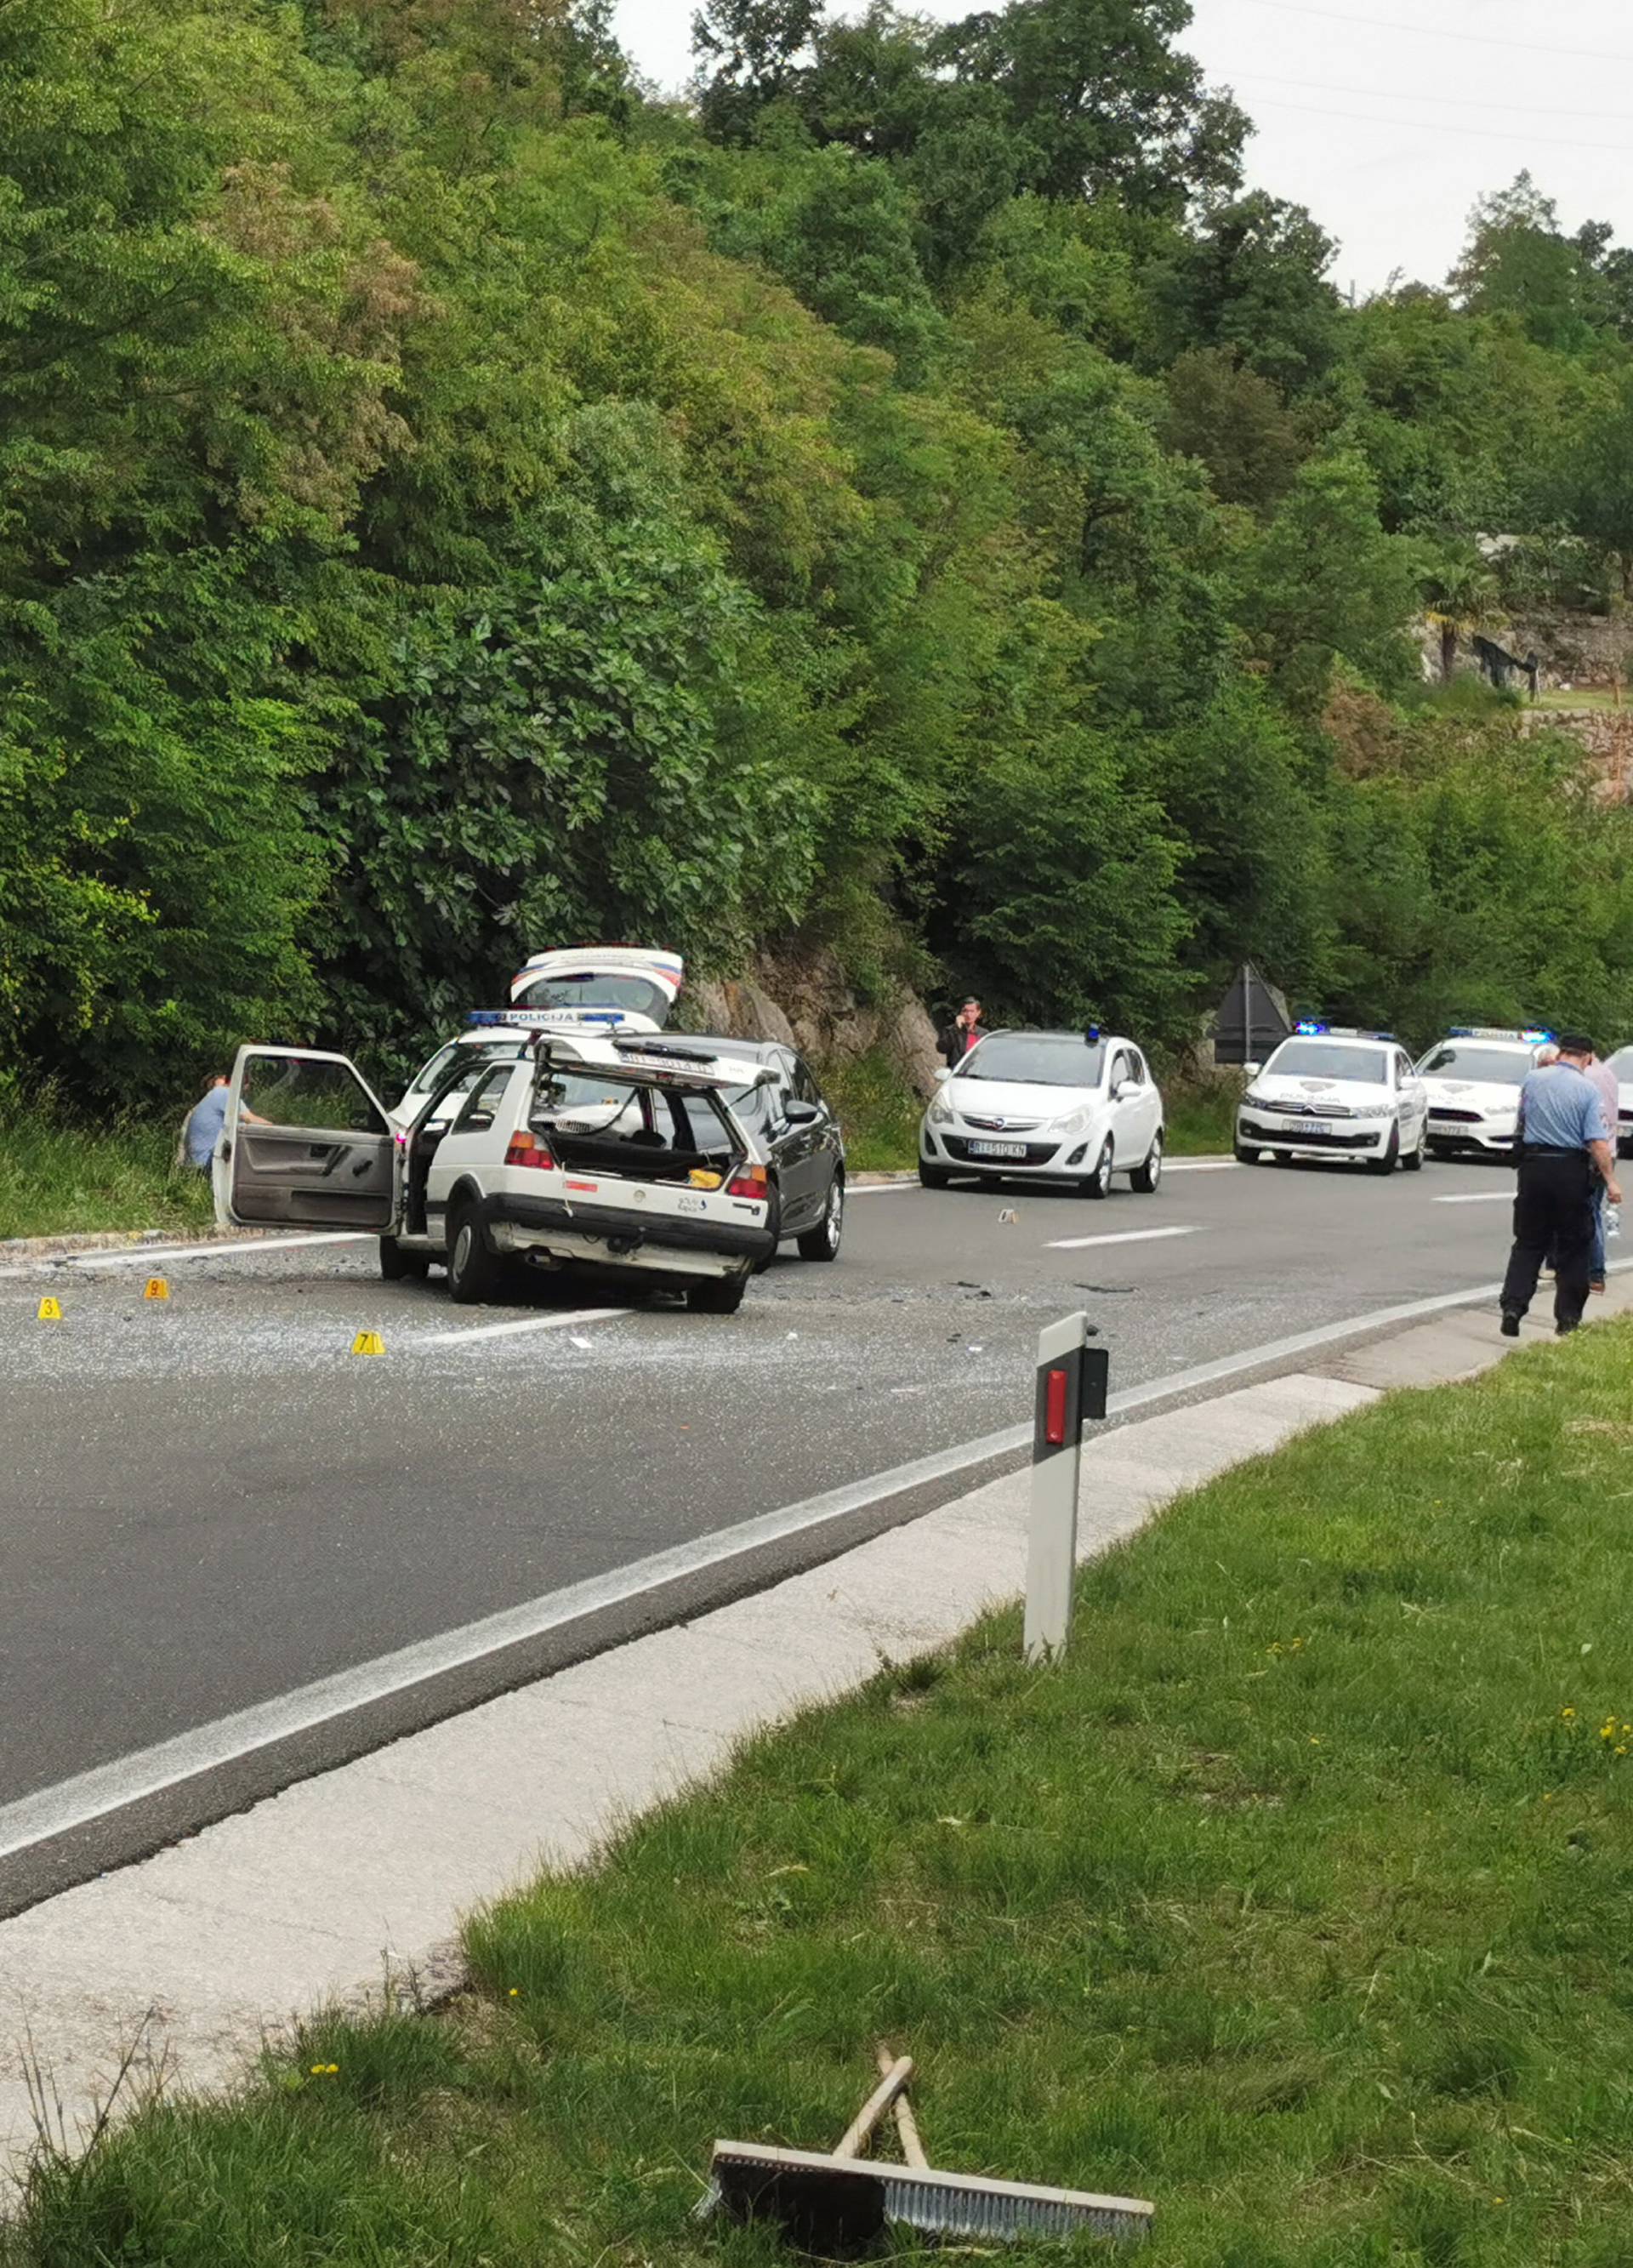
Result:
[1564,1143]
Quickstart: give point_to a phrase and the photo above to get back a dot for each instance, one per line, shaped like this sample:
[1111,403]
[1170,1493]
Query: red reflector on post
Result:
[1055,1409]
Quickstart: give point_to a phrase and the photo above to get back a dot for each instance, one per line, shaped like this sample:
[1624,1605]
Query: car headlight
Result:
[1259,1102]
[1073,1122]
[940,1113]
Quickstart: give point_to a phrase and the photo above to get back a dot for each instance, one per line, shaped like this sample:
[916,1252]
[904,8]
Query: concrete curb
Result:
[354,1880]
[36,1248]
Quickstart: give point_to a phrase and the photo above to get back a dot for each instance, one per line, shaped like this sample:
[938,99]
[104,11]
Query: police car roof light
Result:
[545,1019]
[1307,1028]
[1532,1036]
[1092,1033]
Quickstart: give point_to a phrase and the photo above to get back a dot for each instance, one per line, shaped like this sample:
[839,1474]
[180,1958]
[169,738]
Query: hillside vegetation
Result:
[913,496]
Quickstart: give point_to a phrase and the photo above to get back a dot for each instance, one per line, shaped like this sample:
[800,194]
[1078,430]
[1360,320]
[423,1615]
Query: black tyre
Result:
[473,1271]
[933,1177]
[1441,1150]
[1146,1178]
[1099,1183]
[1245,1157]
[716,1295]
[400,1267]
[1391,1158]
[774,1224]
[823,1242]
[1413,1161]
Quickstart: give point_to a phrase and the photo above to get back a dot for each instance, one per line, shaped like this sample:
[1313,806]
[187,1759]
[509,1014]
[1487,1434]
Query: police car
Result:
[1473,1079]
[614,1153]
[1330,1091]
[608,988]
[1076,1107]
[1621,1064]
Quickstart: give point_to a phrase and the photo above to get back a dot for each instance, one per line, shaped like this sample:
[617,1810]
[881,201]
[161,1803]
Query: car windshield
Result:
[1328,1059]
[569,1099]
[1622,1063]
[1037,1059]
[1496,1066]
[593,988]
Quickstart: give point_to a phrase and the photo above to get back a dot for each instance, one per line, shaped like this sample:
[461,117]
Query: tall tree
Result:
[748,53]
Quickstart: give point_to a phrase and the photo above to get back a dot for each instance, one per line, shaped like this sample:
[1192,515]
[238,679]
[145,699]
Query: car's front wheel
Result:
[1413,1161]
[1099,1183]
[933,1177]
[1244,1156]
[473,1272]
[1145,1178]
[823,1242]
[716,1295]
[400,1267]
[1391,1157]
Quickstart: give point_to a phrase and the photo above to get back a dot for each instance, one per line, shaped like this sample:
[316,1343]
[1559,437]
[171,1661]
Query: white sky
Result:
[1387,128]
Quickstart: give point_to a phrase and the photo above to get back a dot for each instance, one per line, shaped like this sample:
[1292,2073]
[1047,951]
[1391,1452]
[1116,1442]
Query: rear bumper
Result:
[609,1237]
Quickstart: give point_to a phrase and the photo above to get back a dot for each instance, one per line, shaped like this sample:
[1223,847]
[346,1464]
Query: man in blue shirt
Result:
[1564,1146]
[205,1121]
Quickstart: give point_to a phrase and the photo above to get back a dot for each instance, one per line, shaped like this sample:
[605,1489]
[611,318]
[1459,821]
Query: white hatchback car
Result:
[1330,1093]
[1473,1079]
[618,1154]
[1621,1064]
[1046,1105]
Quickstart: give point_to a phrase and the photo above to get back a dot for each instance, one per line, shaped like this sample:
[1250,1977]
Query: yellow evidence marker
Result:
[50,1311]
[368,1342]
[156,1288]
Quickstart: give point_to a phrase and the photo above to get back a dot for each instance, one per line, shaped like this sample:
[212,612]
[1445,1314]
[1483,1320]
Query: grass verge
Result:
[1298,1899]
[58,1179]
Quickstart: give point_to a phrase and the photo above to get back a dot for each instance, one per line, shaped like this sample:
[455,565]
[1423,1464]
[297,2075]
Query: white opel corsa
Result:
[1331,1093]
[1046,1105]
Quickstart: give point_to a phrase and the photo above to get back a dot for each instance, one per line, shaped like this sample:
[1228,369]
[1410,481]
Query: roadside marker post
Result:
[1072,1378]
[49,1311]
[156,1288]
[368,1342]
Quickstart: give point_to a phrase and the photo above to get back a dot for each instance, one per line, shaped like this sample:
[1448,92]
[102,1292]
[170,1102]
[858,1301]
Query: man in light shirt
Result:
[1605,1085]
[1564,1146]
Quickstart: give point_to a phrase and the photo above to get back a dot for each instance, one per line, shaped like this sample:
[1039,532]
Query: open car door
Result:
[306,1144]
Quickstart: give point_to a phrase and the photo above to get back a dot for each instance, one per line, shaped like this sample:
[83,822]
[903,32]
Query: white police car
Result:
[607,988]
[615,1153]
[1621,1064]
[1473,1079]
[1328,1092]
[1048,1106]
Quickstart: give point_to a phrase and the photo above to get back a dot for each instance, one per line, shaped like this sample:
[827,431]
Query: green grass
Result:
[1299,1899]
[1202,1120]
[58,1179]
[1583,697]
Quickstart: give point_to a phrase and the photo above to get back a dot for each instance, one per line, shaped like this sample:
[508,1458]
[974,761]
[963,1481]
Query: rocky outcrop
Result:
[1605,733]
[804,1000]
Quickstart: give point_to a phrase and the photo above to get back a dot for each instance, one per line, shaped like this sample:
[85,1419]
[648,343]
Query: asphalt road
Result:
[210,1501]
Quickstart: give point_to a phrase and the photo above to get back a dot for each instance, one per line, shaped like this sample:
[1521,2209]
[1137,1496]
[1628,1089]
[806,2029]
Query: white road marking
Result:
[1198,1165]
[1479,1197]
[74,1803]
[148,1252]
[1124,1236]
[470,1334]
[878,1189]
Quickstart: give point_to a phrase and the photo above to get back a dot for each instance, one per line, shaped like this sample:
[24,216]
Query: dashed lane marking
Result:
[1479,1197]
[1124,1236]
[470,1334]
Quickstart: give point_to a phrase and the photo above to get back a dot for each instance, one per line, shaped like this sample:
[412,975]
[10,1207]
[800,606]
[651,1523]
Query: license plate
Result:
[997,1149]
[1314,1126]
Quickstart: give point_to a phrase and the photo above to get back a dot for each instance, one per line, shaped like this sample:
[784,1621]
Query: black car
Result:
[805,1150]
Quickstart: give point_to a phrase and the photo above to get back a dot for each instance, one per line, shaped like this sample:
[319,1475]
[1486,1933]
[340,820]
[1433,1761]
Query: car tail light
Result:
[524,1149]
[750,1181]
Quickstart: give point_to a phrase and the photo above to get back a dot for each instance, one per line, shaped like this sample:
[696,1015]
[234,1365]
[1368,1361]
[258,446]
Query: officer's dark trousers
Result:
[1553,1211]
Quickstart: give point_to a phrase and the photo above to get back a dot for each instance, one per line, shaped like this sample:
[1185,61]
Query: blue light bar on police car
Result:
[1532,1036]
[1307,1028]
[539,1020]
[1310,1029]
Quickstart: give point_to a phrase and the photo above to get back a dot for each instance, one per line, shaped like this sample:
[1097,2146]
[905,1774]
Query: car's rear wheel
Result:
[716,1295]
[933,1177]
[1099,1183]
[823,1242]
[1391,1158]
[1145,1178]
[400,1267]
[473,1271]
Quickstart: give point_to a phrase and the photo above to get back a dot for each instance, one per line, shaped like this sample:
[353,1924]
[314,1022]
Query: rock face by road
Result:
[805,1002]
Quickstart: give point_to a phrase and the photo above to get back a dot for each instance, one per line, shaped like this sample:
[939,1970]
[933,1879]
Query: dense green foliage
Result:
[913,496]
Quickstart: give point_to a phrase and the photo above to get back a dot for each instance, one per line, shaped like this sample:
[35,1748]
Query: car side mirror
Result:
[1124,1088]
[1251,1070]
[802,1114]
[943,1074]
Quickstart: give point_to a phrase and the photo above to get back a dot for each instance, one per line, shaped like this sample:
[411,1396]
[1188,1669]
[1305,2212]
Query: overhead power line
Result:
[1511,134]
[1335,22]
[1438,101]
